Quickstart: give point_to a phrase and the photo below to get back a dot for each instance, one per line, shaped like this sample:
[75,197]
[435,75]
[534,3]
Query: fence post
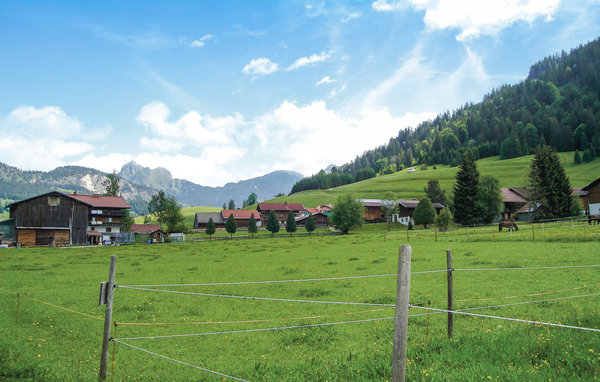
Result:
[107,318]
[533,231]
[435,228]
[450,294]
[401,319]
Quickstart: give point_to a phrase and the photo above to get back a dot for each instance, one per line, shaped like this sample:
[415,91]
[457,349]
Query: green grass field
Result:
[510,172]
[42,342]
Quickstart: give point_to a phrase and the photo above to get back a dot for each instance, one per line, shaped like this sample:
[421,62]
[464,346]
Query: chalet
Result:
[514,201]
[65,219]
[590,196]
[202,218]
[282,210]
[406,209]
[153,232]
[373,211]
[242,217]
[321,219]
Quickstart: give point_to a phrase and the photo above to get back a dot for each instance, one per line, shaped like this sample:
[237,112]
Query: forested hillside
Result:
[558,104]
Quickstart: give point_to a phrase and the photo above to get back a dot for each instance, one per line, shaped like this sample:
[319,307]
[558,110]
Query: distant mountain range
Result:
[138,184]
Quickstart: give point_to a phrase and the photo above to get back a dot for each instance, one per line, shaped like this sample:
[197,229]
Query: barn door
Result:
[44,237]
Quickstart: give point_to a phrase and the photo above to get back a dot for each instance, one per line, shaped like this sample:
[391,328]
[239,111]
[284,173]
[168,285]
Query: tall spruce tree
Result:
[272,223]
[231,205]
[550,186]
[434,192]
[290,223]
[210,228]
[310,224]
[231,225]
[466,192]
[252,228]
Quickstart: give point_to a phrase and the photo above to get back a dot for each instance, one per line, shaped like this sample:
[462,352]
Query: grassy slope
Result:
[188,214]
[511,173]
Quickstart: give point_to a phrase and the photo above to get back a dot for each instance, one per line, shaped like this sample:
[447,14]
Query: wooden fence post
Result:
[450,294]
[107,318]
[401,319]
[533,231]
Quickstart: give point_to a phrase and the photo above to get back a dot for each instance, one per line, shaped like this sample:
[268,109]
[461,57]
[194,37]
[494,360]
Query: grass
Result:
[189,214]
[39,341]
[510,173]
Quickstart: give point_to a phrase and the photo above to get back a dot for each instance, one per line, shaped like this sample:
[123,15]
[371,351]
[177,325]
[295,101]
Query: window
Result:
[53,201]
[108,229]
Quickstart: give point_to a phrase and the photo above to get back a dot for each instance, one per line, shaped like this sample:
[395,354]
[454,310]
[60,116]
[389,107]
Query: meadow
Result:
[46,342]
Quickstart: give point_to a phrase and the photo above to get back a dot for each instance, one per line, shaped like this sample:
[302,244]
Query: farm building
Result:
[151,232]
[372,210]
[282,211]
[202,218]
[242,217]
[321,219]
[406,208]
[590,196]
[65,219]
[514,199]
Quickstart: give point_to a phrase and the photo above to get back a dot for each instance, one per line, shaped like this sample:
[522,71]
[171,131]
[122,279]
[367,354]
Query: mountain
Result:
[557,104]
[138,184]
[191,194]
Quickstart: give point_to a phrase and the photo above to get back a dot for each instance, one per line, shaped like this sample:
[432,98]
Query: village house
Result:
[151,232]
[406,209]
[373,211]
[202,218]
[321,219]
[56,218]
[590,196]
[514,202]
[282,211]
[242,217]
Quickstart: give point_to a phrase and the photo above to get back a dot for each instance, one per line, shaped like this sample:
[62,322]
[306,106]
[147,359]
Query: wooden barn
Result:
[67,219]
[50,219]
[373,212]
[590,196]
[321,219]
[151,232]
[406,209]
[201,220]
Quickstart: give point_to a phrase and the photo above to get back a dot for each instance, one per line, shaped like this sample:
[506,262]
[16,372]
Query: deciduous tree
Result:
[347,213]
[111,184]
[424,213]
[490,198]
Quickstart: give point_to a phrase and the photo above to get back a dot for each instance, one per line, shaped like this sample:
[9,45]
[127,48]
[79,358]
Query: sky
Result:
[222,91]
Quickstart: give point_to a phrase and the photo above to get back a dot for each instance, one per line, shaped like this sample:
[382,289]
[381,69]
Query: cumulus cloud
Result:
[310,60]
[42,138]
[324,80]
[260,66]
[201,42]
[474,18]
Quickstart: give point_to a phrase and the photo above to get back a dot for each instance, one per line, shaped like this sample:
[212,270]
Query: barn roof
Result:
[203,217]
[510,195]
[145,228]
[280,207]
[412,204]
[589,186]
[101,201]
[240,214]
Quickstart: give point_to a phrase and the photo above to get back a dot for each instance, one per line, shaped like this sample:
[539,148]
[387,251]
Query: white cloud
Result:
[324,80]
[201,42]
[260,66]
[310,60]
[50,119]
[385,6]
[351,16]
[106,163]
[474,18]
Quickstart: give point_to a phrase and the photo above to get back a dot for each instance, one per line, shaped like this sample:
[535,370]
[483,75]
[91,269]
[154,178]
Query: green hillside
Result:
[188,214]
[510,172]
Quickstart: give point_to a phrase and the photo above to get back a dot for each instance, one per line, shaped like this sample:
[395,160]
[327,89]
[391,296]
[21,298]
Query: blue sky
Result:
[222,91]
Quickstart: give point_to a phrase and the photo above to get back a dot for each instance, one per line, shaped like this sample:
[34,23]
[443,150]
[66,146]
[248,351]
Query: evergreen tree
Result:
[210,228]
[252,199]
[444,219]
[252,228]
[510,147]
[577,158]
[231,225]
[231,205]
[587,156]
[424,213]
[111,184]
[272,223]
[434,192]
[347,213]
[290,223]
[310,224]
[466,193]
[224,206]
[490,198]
[550,186]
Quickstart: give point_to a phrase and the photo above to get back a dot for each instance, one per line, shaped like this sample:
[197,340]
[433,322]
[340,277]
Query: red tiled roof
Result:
[280,206]
[312,210]
[102,201]
[145,228]
[241,214]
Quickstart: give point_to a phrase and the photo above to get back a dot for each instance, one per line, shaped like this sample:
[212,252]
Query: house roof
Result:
[145,228]
[412,204]
[302,218]
[280,207]
[510,195]
[589,186]
[203,217]
[312,210]
[240,214]
[101,201]
[371,202]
